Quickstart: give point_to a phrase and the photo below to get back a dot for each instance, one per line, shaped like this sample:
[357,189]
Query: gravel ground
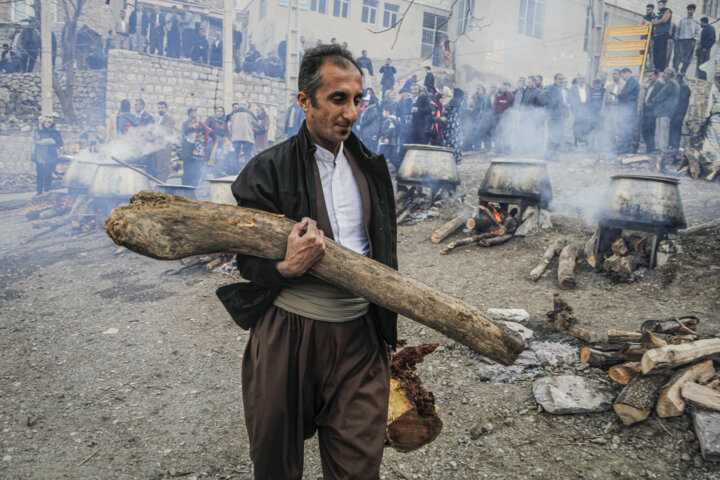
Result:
[110,368]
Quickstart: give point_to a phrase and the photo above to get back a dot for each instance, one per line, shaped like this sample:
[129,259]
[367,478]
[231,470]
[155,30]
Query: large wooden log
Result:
[636,401]
[670,403]
[620,336]
[553,249]
[413,420]
[677,355]
[169,227]
[566,267]
[447,229]
[599,358]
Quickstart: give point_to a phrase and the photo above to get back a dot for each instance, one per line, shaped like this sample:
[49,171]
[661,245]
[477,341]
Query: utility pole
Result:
[46,90]
[292,49]
[596,35]
[227,52]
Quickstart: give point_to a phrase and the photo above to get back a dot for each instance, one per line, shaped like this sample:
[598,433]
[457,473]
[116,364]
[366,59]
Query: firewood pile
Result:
[663,366]
[687,161]
[630,255]
[17,182]
[567,256]
[415,203]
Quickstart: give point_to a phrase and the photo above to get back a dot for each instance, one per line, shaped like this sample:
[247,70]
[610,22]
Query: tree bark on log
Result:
[622,374]
[701,395]
[670,403]
[412,414]
[632,352]
[677,355]
[444,231]
[686,324]
[599,358]
[637,399]
[169,227]
[566,267]
[554,249]
[489,242]
[478,224]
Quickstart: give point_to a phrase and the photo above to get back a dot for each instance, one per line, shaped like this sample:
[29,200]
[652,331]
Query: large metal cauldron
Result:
[117,181]
[522,179]
[220,191]
[642,202]
[80,173]
[428,165]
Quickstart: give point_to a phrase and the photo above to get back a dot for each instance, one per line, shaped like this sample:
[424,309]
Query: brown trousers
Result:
[301,375]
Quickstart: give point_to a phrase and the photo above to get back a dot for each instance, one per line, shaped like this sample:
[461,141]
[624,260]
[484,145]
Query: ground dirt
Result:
[110,368]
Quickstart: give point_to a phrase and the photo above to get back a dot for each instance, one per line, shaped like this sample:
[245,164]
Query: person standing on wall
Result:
[661,35]
[157,32]
[138,28]
[687,33]
[707,40]
[388,76]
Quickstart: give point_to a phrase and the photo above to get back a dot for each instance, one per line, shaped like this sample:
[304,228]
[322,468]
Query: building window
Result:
[710,7]
[369,11]
[22,9]
[433,33]
[466,8]
[318,5]
[390,15]
[263,9]
[340,8]
[532,16]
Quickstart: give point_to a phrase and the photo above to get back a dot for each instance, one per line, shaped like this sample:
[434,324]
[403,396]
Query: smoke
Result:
[136,143]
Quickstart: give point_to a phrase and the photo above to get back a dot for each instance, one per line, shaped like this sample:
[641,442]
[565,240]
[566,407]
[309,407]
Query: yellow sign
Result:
[639,46]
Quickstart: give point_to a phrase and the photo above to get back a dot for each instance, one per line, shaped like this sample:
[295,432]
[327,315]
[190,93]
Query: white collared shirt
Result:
[342,200]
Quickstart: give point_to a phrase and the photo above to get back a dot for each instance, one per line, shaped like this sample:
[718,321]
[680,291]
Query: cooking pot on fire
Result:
[522,179]
[115,180]
[220,190]
[643,201]
[80,173]
[428,165]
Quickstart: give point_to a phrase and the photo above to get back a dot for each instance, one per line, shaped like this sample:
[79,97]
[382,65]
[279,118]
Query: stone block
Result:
[511,314]
[572,394]
[555,353]
[707,429]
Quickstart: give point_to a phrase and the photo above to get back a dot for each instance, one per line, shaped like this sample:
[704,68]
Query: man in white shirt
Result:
[316,359]
[687,33]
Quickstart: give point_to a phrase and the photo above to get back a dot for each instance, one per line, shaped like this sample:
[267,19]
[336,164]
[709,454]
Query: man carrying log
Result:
[316,359]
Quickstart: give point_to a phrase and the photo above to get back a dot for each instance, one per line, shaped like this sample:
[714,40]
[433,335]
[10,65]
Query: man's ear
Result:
[304,101]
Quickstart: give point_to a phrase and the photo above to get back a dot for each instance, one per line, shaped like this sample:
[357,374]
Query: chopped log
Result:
[620,336]
[677,355]
[670,402]
[412,414]
[700,227]
[619,247]
[554,249]
[622,374]
[566,267]
[401,195]
[599,358]
[169,227]
[511,225]
[687,324]
[632,352]
[649,340]
[701,395]
[595,260]
[622,267]
[695,162]
[443,232]
[403,215]
[489,214]
[638,243]
[637,399]
[489,242]
[563,319]
[481,223]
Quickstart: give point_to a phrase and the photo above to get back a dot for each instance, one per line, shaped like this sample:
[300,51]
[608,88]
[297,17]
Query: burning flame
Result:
[496,213]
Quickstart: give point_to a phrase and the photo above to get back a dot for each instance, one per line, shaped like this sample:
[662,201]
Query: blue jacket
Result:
[707,37]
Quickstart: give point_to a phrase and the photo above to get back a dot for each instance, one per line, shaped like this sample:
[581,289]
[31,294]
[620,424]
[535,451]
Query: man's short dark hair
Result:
[163,103]
[692,6]
[662,1]
[427,68]
[679,77]
[309,78]
[125,105]
[626,70]
[5,45]
[704,20]
[142,102]
[557,75]
[650,5]
[191,110]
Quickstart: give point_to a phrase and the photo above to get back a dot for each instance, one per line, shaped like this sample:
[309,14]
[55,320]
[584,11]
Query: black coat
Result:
[144,22]
[630,91]
[281,180]
[388,76]
[683,101]
[47,142]
[556,106]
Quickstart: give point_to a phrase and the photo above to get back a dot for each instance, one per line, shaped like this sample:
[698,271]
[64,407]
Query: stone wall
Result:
[183,84]
[17,146]
[20,99]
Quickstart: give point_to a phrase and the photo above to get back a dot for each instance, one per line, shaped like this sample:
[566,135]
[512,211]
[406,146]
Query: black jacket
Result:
[630,91]
[281,180]
[683,101]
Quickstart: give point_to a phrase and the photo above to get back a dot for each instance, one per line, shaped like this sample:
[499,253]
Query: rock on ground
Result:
[572,394]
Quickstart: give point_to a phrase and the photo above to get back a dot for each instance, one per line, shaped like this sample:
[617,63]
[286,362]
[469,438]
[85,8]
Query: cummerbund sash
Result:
[321,301]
